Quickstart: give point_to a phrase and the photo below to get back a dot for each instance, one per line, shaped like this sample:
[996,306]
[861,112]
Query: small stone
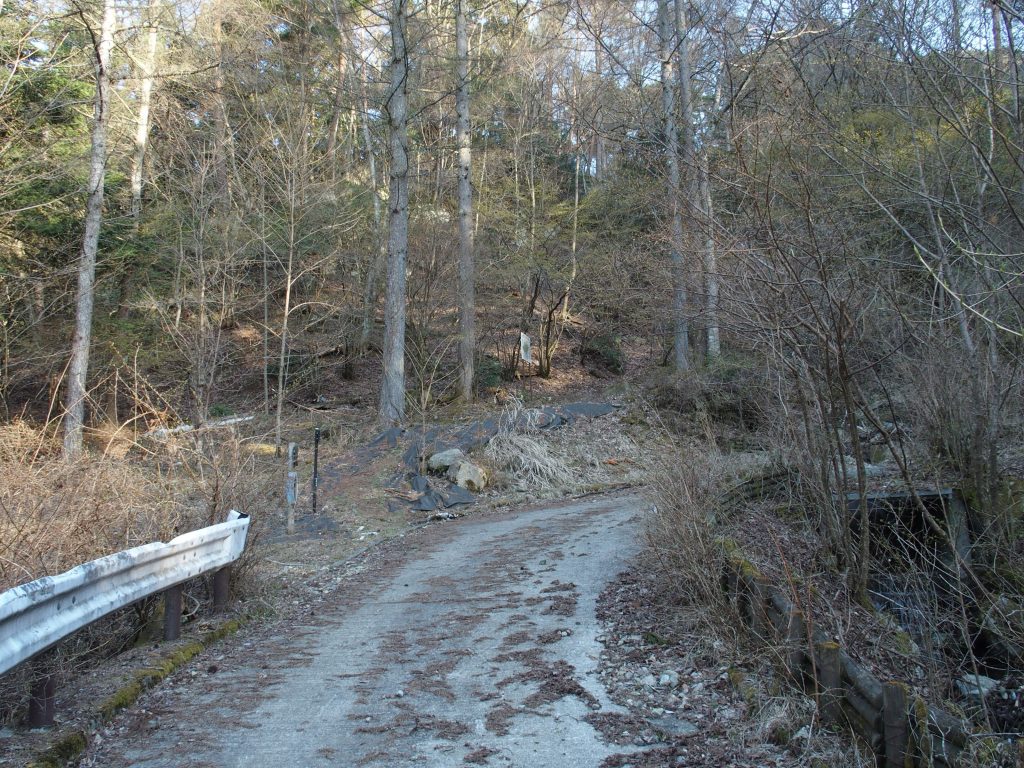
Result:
[647,680]
[669,678]
[673,726]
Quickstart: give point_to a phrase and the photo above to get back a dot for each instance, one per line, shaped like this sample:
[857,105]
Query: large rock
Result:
[468,475]
[442,460]
[976,687]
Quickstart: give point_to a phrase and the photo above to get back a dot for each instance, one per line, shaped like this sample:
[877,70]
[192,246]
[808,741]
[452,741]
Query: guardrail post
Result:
[895,724]
[42,706]
[221,580]
[316,465]
[172,613]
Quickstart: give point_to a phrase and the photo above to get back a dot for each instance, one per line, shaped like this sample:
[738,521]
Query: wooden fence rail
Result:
[900,727]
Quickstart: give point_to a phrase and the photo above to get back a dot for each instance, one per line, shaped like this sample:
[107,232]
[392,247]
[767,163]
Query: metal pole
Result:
[316,464]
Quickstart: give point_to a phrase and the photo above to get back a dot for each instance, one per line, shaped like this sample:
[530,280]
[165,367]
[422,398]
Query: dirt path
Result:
[472,642]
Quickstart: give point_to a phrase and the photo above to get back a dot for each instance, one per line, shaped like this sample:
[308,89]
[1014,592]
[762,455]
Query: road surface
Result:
[468,642]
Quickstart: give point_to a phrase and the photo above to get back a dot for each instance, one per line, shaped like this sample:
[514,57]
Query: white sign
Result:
[525,353]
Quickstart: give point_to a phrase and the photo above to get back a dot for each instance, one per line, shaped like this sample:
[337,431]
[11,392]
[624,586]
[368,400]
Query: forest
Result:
[789,224]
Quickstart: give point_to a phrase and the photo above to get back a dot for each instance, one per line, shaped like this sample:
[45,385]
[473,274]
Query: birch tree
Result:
[78,366]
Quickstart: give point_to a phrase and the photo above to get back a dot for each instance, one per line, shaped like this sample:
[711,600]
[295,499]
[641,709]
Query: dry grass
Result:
[586,456]
[682,529]
[520,450]
[55,514]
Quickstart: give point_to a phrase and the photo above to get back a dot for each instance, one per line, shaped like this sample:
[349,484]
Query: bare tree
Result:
[467,303]
[78,366]
[147,64]
[681,331]
[392,396]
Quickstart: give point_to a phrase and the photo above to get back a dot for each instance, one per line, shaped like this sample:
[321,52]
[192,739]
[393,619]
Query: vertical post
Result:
[759,624]
[921,740]
[42,706]
[895,728]
[829,680]
[316,464]
[796,636]
[221,580]
[292,484]
[172,613]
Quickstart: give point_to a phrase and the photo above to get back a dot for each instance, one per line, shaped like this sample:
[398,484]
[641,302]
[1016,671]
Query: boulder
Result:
[976,686]
[442,460]
[468,475]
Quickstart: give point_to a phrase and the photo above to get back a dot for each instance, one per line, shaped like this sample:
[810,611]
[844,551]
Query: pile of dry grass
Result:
[520,451]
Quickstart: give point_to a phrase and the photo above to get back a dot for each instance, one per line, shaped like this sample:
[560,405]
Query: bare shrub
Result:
[55,514]
[217,476]
[681,531]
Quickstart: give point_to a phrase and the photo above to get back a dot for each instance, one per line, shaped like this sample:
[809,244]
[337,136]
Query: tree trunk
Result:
[147,63]
[682,30]
[392,396]
[714,348]
[78,366]
[370,288]
[339,97]
[339,92]
[681,332]
[467,302]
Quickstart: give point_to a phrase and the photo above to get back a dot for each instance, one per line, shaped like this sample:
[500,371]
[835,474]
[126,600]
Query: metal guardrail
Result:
[38,615]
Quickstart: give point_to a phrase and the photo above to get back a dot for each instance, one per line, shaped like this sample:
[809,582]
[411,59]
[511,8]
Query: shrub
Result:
[603,352]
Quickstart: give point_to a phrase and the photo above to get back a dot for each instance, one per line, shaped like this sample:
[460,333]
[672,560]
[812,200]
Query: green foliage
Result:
[604,351]
[487,373]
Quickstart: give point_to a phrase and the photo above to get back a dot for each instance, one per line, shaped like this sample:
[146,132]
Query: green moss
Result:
[904,642]
[70,746]
[746,691]
[63,751]
[919,713]
[652,638]
[125,696]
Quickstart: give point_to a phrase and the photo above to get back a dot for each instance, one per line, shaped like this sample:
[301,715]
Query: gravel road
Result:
[468,642]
